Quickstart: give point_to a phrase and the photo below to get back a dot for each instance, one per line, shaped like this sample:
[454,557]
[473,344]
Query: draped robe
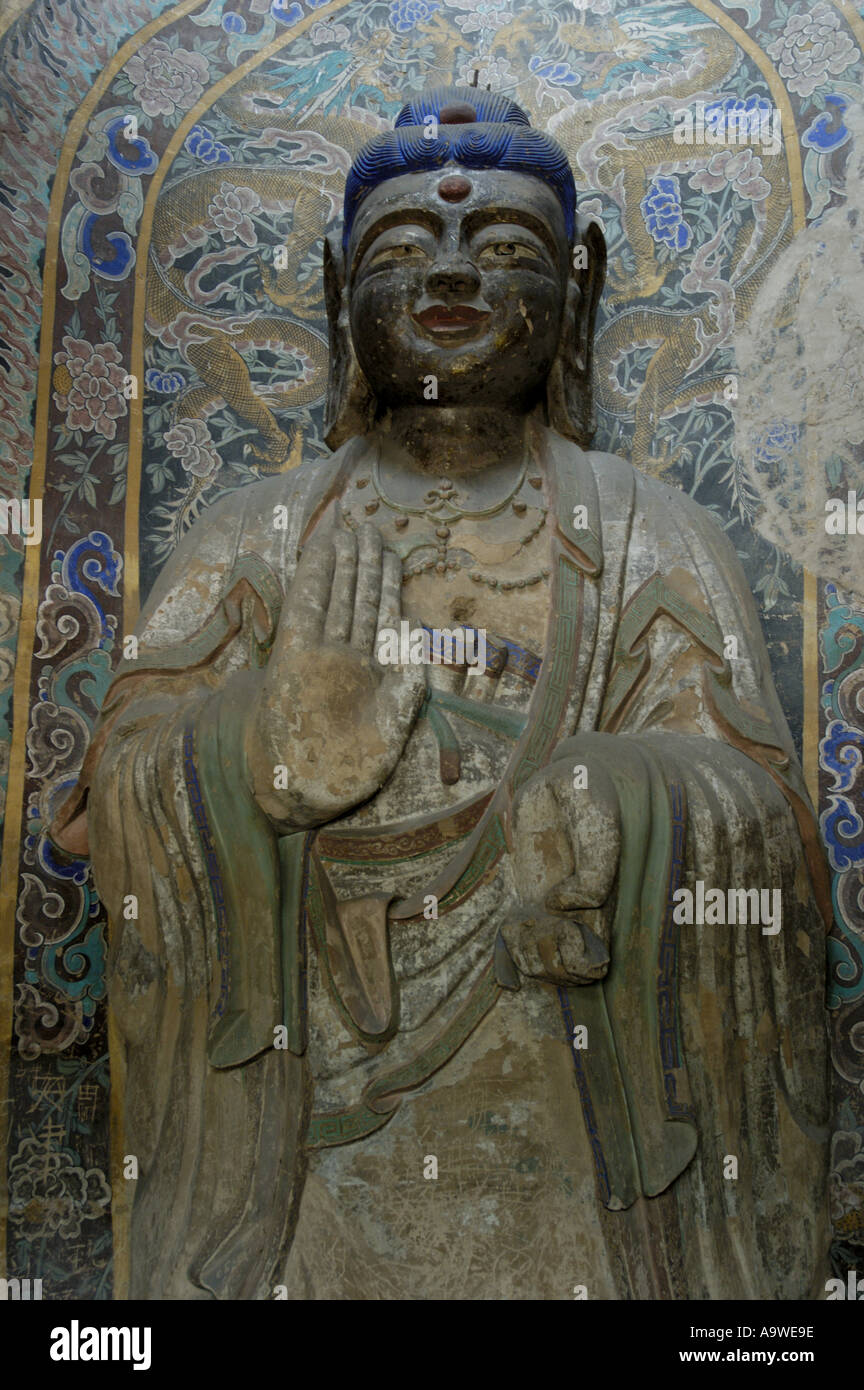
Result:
[402,1038]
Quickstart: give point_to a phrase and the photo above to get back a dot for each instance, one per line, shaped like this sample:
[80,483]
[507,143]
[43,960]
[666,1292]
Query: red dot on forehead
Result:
[454,188]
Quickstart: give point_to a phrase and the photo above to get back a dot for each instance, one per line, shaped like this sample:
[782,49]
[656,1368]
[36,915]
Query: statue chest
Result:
[490,572]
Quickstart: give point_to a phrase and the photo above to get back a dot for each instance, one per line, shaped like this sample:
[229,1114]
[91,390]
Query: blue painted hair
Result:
[500,137]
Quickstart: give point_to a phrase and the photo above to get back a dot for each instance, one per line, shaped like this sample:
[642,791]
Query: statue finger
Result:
[569,896]
[309,596]
[583,955]
[591,815]
[390,607]
[405,691]
[535,956]
[522,931]
[408,681]
[367,595]
[340,613]
[552,966]
[543,855]
[527,957]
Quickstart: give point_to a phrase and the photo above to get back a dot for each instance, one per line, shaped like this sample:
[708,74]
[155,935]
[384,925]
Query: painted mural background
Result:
[166,178]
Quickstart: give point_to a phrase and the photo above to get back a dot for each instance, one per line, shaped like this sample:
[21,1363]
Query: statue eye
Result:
[402,251]
[508,251]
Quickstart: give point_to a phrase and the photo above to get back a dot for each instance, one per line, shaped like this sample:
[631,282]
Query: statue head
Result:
[456,262]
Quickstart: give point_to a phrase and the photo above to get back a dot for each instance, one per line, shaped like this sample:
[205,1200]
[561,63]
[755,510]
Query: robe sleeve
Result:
[710,790]
[204,970]
[176,835]
[690,656]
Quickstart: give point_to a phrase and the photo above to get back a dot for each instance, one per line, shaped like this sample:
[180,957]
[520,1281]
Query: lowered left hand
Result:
[567,844]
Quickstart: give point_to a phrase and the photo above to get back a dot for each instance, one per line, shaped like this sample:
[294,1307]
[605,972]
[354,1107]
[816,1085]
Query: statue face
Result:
[469,289]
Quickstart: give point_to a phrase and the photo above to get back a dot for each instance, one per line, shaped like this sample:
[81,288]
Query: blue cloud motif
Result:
[86,958]
[838,638]
[95,558]
[661,210]
[842,820]
[143,161]
[114,267]
[233,23]
[202,144]
[842,752]
[559,74]
[819,134]
[167,383]
[286,14]
[405,14]
[842,967]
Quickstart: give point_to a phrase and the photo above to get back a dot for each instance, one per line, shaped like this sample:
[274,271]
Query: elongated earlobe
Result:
[350,407]
[569,394]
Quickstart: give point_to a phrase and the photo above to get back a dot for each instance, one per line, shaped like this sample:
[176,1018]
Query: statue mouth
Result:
[450,320]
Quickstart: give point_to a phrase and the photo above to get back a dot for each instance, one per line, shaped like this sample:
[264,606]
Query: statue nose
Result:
[455,277]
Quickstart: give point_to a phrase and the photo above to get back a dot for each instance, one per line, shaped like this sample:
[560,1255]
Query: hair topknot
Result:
[492,107]
[474,128]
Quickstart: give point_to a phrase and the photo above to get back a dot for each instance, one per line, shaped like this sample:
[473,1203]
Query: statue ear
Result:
[350,407]
[569,395]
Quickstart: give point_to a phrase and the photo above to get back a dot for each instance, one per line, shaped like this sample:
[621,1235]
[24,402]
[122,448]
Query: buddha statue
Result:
[457,979]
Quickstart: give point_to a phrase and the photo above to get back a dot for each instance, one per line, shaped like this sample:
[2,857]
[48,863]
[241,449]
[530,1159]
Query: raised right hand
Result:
[328,712]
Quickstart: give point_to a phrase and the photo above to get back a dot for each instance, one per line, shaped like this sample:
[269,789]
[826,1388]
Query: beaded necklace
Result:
[442,507]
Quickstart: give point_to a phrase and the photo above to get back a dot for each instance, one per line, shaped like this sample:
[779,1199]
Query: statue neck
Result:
[449,441]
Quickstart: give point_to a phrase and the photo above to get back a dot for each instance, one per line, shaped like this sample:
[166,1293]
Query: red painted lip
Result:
[453,316]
